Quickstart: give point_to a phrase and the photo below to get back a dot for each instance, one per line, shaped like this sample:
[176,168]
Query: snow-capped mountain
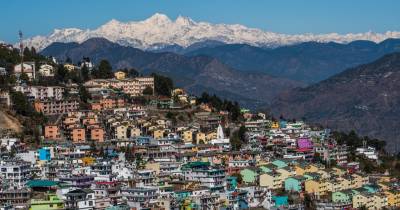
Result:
[159,31]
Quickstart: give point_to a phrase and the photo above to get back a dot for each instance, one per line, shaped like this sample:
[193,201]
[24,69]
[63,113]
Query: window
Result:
[90,203]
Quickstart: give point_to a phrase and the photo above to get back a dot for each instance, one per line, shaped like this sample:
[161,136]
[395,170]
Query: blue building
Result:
[280,201]
[44,154]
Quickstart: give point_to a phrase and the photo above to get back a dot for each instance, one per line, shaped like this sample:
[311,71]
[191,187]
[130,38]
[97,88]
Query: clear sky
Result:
[41,17]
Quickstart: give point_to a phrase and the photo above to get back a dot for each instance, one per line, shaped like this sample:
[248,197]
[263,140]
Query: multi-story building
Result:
[41,92]
[80,199]
[52,132]
[46,70]
[15,173]
[140,197]
[78,135]
[54,107]
[97,134]
[212,178]
[133,87]
[27,68]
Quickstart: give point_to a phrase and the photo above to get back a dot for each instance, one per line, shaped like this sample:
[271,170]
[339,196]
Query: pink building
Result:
[304,143]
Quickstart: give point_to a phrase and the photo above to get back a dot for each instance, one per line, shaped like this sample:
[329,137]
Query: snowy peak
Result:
[184,21]
[158,19]
[160,30]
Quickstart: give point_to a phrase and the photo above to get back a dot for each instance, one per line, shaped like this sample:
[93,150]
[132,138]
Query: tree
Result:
[162,85]
[21,104]
[24,77]
[148,91]
[85,73]
[84,94]
[131,73]
[61,74]
[104,70]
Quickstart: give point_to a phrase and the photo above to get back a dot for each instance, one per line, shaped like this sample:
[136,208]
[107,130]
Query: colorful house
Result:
[393,198]
[44,154]
[249,175]
[279,163]
[280,201]
[49,203]
[295,183]
[344,196]
[304,143]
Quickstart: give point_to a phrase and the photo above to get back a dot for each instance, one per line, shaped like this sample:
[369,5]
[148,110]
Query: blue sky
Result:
[283,16]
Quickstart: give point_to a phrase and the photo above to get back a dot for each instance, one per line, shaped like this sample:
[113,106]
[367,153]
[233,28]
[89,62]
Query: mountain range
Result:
[308,62]
[194,73]
[159,31]
[365,98]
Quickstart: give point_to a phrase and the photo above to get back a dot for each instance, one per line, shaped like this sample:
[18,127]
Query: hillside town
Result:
[94,137]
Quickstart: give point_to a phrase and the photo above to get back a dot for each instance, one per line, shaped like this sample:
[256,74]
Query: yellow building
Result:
[363,200]
[121,132]
[341,184]
[153,166]
[158,134]
[393,198]
[69,67]
[87,161]
[272,180]
[275,125]
[359,180]
[324,174]
[317,187]
[187,136]
[379,201]
[211,135]
[300,170]
[201,137]
[338,171]
[119,75]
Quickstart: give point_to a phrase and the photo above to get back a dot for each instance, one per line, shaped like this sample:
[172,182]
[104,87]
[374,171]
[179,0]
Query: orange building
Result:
[78,135]
[89,121]
[54,107]
[52,132]
[107,103]
[97,134]
[96,106]
[71,120]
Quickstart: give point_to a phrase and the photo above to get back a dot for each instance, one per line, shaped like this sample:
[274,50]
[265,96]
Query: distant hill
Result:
[365,98]
[195,73]
[308,62]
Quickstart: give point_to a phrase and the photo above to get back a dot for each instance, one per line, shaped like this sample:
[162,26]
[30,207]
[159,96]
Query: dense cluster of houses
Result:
[174,154]
[124,157]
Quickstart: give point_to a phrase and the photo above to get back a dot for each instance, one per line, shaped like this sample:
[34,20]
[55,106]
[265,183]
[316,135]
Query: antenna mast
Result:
[21,50]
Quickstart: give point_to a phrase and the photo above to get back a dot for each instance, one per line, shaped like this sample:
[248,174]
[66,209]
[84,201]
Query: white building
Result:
[15,173]
[140,197]
[46,70]
[220,140]
[28,68]
[41,92]
[3,71]
[368,152]
[80,199]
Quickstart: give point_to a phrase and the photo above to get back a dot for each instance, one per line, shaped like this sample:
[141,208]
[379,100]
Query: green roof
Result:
[196,164]
[41,183]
